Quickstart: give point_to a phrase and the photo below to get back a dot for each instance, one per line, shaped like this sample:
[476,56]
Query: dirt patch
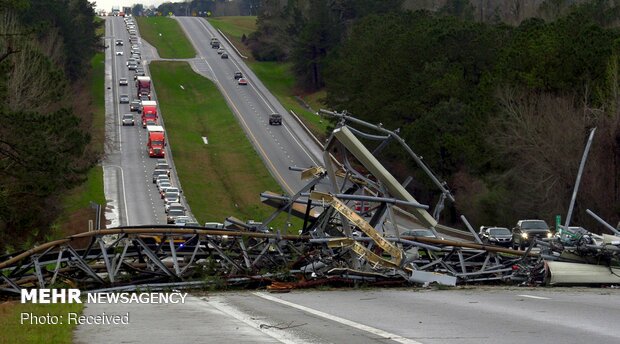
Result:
[78,222]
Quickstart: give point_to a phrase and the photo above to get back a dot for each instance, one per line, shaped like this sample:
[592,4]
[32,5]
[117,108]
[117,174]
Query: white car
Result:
[119,52]
[123,82]
[174,206]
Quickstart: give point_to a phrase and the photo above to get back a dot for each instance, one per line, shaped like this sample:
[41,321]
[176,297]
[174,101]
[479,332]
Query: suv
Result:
[238,75]
[496,236]
[275,119]
[527,230]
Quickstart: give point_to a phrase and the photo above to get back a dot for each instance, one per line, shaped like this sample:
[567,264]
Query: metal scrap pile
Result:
[359,225]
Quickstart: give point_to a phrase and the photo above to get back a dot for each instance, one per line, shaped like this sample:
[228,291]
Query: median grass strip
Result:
[277,76]
[166,35]
[224,177]
[15,331]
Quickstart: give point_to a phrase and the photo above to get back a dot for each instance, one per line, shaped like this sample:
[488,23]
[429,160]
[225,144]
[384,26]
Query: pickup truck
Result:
[524,233]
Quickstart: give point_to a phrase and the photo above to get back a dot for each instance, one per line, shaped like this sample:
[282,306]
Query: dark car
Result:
[134,105]
[119,42]
[123,99]
[275,119]
[157,173]
[496,236]
[224,55]
[238,75]
[132,66]
[527,231]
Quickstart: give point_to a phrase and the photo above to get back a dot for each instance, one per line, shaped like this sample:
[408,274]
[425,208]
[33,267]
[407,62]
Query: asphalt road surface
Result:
[481,315]
[279,146]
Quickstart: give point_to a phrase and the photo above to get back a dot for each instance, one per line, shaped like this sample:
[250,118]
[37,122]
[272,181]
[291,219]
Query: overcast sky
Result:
[107,4]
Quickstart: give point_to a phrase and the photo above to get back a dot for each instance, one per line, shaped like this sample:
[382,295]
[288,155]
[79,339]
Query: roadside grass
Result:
[277,76]
[13,331]
[166,35]
[235,27]
[225,177]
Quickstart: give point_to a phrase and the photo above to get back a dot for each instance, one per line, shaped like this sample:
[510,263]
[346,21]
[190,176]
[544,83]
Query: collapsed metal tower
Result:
[351,233]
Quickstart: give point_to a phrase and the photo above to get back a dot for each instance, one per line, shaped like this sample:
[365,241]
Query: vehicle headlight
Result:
[549,235]
[524,235]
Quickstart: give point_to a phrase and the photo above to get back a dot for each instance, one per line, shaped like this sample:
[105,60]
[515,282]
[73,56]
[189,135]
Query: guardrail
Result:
[232,45]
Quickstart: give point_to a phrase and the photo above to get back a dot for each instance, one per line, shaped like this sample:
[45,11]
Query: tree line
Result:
[500,111]
[45,52]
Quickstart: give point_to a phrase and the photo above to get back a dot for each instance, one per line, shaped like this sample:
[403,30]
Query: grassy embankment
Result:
[277,76]
[226,176]
[167,36]
[14,331]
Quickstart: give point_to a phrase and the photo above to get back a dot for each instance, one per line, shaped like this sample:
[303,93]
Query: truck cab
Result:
[156,141]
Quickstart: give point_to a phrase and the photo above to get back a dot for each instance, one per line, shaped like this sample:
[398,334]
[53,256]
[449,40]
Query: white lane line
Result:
[535,297]
[281,336]
[340,320]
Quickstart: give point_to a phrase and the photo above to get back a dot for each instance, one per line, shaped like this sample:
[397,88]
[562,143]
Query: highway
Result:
[132,196]
[483,315]
[279,146]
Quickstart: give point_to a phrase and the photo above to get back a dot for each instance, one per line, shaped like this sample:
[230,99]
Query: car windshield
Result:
[537,224]
[499,231]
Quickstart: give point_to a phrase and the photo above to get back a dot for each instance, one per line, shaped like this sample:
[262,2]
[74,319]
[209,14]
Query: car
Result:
[138,73]
[163,186]
[173,206]
[119,42]
[119,53]
[171,198]
[496,236]
[242,81]
[128,119]
[238,75]
[185,221]
[134,105]
[143,98]
[163,166]
[424,233]
[157,173]
[275,119]
[173,214]
[169,190]
[132,66]
[123,99]
[527,231]
[132,60]
[220,51]
[224,55]
[162,178]
[123,82]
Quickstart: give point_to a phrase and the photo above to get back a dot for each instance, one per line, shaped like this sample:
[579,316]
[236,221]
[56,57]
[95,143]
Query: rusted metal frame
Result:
[83,265]
[175,263]
[118,259]
[19,272]
[9,281]
[244,253]
[153,257]
[106,259]
[57,268]
[191,259]
[37,269]
[224,255]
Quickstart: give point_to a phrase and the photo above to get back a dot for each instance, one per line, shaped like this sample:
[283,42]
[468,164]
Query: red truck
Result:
[156,141]
[143,85]
[149,112]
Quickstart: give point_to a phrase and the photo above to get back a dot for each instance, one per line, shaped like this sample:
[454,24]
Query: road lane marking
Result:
[279,335]
[240,116]
[535,297]
[356,325]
